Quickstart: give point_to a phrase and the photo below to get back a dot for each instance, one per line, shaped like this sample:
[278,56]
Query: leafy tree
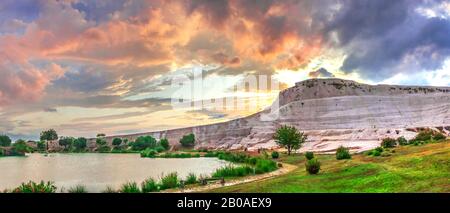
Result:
[40,145]
[49,135]
[165,143]
[101,135]
[100,141]
[80,143]
[188,140]
[144,142]
[66,142]
[5,140]
[116,142]
[343,153]
[20,147]
[289,138]
[388,143]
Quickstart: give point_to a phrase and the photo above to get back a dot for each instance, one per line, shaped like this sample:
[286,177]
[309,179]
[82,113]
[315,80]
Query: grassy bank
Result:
[423,168]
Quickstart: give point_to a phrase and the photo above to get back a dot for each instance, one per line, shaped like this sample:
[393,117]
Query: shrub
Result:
[264,165]
[231,171]
[77,189]
[309,155]
[164,143]
[188,140]
[388,143]
[103,149]
[80,144]
[149,185]
[376,153]
[66,142]
[439,137]
[343,153]
[109,189]
[32,187]
[130,187]
[191,178]
[169,181]
[148,153]
[402,141]
[312,166]
[116,142]
[379,149]
[210,155]
[20,147]
[275,155]
[159,149]
[424,135]
[144,142]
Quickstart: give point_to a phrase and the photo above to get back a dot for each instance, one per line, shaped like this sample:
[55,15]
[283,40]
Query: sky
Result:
[85,67]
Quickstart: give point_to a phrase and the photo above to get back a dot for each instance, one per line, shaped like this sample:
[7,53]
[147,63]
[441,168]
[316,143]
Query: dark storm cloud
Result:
[382,38]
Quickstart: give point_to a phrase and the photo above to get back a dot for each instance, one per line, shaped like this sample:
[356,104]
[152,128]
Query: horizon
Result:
[83,67]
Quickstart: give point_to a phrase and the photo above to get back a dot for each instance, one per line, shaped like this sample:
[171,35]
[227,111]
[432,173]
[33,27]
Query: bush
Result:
[169,181]
[130,187]
[388,143]
[264,165]
[424,135]
[309,155]
[343,153]
[210,155]
[109,189]
[20,147]
[188,140]
[148,153]
[275,155]
[402,141]
[116,142]
[80,144]
[104,149]
[149,185]
[312,166]
[231,171]
[143,142]
[77,189]
[439,137]
[379,149]
[159,149]
[164,143]
[32,187]
[191,178]
[376,153]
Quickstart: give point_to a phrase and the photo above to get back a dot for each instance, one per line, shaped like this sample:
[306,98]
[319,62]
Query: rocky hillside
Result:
[332,112]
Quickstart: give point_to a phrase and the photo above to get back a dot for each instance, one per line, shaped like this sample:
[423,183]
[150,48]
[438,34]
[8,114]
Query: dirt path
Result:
[283,170]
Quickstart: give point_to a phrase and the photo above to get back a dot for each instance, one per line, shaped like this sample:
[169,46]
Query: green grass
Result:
[424,168]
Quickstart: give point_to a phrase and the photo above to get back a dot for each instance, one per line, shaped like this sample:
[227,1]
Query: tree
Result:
[20,147]
[80,143]
[165,143]
[188,140]
[101,135]
[66,142]
[5,140]
[100,141]
[289,138]
[143,142]
[49,135]
[40,145]
[116,142]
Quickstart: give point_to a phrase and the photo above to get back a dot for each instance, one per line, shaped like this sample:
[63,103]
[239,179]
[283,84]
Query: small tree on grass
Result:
[290,138]
[188,140]
[309,155]
[389,143]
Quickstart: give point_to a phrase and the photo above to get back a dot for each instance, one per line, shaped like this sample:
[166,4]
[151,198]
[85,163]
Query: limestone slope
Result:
[332,112]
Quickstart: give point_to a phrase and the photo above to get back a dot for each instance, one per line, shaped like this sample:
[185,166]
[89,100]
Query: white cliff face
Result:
[332,112]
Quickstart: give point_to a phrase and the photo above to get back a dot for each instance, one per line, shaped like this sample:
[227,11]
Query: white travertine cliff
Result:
[332,112]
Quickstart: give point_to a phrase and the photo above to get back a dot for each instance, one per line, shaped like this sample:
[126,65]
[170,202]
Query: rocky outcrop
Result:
[332,112]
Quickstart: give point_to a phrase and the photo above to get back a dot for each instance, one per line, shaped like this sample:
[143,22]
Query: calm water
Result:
[96,171]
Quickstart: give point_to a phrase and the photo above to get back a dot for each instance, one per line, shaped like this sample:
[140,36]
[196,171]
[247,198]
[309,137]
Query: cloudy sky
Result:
[84,66]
